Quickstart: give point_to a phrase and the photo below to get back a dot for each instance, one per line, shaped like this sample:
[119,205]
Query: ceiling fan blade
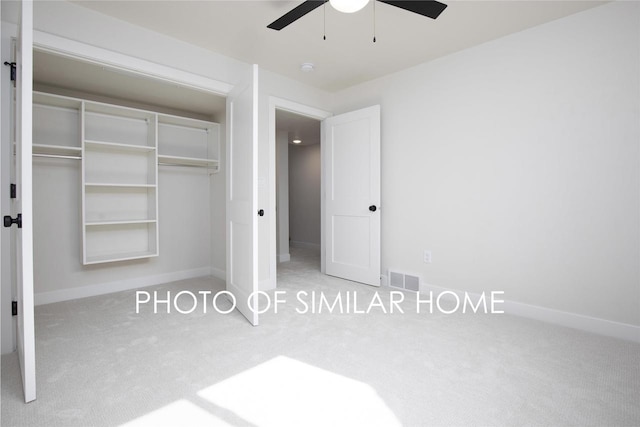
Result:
[429,8]
[295,14]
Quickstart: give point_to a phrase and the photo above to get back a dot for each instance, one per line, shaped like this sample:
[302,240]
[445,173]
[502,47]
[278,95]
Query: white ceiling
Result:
[299,127]
[238,29]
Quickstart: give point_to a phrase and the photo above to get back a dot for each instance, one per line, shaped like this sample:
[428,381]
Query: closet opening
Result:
[147,202]
[298,192]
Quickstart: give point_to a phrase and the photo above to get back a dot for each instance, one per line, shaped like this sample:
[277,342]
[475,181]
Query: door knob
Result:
[261,212]
[373,208]
[8,221]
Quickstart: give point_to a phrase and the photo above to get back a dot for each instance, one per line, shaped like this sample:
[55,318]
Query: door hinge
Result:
[12,191]
[13,70]
[14,308]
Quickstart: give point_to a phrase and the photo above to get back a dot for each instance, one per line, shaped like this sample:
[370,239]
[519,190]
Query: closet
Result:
[120,148]
[127,184]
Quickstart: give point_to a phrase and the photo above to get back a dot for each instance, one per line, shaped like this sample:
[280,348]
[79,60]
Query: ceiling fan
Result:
[429,8]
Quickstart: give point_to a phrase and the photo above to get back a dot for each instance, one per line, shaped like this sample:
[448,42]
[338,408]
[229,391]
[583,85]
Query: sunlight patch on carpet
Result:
[285,392]
[180,412]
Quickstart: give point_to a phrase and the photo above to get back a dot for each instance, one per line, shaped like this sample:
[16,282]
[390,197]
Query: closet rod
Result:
[60,156]
[57,156]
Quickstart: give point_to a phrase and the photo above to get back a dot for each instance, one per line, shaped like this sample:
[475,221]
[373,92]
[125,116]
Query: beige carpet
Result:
[100,363]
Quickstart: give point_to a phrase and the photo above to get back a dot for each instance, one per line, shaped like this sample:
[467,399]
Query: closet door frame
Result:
[73,49]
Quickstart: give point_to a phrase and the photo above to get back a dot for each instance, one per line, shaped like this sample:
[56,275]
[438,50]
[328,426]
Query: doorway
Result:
[349,188]
[298,182]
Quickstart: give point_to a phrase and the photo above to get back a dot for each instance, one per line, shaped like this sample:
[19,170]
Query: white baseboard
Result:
[572,320]
[562,318]
[306,245]
[117,286]
[384,280]
[218,273]
[284,257]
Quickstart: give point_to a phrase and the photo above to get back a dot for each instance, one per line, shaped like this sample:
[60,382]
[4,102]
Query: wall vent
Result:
[396,280]
[406,281]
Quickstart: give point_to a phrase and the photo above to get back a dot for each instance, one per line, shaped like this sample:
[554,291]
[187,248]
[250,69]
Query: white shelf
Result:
[100,223]
[119,204]
[56,125]
[118,146]
[185,122]
[111,111]
[114,185]
[120,257]
[118,125]
[119,164]
[188,142]
[187,161]
[56,150]
[117,240]
[48,100]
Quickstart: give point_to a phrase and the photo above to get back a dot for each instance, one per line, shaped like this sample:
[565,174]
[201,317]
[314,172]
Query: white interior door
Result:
[23,202]
[242,195]
[352,195]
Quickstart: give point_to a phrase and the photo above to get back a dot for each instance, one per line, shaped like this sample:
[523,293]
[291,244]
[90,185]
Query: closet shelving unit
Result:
[120,149]
[119,183]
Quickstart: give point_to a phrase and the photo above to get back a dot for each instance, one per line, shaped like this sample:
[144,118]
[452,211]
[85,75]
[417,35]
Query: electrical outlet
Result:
[427,257]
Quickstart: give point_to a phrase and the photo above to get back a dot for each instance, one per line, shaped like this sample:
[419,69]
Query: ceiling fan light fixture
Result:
[348,6]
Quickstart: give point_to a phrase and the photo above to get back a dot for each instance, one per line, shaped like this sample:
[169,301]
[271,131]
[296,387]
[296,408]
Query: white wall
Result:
[184,219]
[304,194]
[282,195]
[516,163]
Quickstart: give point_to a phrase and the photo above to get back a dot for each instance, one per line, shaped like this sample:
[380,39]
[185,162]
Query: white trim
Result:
[118,286]
[567,319]
[323,180]
[305,245]
[384,281]
[127,64]
[292,107]
[297,108]
[284,257]
[219,273]
[572,320]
